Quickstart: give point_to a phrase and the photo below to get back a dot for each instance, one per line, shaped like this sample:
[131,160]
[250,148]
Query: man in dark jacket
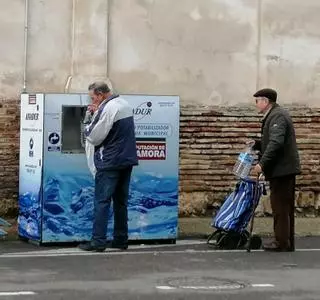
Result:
[111,132]
[279,162]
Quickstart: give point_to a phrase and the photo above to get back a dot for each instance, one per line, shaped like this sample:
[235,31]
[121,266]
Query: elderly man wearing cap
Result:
[279,162]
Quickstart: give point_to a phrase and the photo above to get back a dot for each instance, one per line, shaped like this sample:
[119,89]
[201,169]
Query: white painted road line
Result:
[263,285]
[61,253]
[22,293]
[165,287]
[213,287]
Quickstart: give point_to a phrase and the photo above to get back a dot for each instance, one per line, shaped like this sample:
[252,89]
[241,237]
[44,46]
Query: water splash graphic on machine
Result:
[152,205]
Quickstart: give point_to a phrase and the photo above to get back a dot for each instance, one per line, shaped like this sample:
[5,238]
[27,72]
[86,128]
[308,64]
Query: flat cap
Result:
[268,93]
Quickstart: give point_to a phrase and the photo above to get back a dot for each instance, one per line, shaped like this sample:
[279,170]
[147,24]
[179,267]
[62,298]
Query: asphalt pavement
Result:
[187,270]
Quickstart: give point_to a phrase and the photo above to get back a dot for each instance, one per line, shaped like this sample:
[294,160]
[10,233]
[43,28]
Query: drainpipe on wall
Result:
[24,90]
[68,83]
[107,40]
[107,31]
[69,79]
[259,32]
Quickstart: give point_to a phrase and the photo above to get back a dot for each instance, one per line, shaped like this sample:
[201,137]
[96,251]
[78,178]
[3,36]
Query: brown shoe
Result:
[275,247]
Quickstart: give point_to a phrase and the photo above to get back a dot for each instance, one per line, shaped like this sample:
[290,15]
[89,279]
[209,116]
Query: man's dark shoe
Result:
[91,247]
[121,246]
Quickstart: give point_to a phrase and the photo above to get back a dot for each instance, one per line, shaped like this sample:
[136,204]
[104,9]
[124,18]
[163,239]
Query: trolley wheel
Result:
[255,242]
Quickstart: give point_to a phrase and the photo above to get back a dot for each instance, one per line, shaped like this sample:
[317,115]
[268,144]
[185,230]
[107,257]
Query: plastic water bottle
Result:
[87,117]
[244,163]
[82,136]
[86,120]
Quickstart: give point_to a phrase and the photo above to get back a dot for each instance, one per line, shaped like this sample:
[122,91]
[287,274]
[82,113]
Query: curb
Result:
[200,228]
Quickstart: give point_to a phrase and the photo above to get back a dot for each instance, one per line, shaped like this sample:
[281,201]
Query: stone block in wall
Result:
[8,207]
[215,199]
[264,207]
[191,204]
[317,202]
[306,199]
[9,156]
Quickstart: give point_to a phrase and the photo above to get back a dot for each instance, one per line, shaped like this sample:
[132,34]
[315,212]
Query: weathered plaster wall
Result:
[65,38]
[11,47]
[290,49]
[204,51]
[209,52]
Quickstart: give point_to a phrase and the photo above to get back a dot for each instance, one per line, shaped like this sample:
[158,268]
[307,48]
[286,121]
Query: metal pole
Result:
[25,45]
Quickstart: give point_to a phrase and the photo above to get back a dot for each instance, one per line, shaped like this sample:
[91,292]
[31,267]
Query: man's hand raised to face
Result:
[92,107]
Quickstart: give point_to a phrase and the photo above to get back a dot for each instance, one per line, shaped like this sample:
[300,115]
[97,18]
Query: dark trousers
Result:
[111,185]
[282,196]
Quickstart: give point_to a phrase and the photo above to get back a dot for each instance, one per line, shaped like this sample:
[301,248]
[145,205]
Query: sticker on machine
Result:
[32,99]
[54,143]
[151,149]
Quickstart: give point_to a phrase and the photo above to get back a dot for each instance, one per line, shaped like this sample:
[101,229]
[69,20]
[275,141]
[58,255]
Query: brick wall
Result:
[9,156]
[211,139]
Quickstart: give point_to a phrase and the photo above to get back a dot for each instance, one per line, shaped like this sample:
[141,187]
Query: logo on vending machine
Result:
[32,116]
[32,99]
[143,110]
[31,144]
[54,138]
[54,142]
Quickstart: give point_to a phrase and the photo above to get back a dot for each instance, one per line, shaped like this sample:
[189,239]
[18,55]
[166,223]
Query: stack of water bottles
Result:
[244,163]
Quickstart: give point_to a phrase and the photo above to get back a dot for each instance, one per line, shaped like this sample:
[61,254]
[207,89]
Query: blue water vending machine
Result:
[56,188]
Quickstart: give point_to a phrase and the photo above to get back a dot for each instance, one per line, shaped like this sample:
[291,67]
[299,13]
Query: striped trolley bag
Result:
[233,217]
